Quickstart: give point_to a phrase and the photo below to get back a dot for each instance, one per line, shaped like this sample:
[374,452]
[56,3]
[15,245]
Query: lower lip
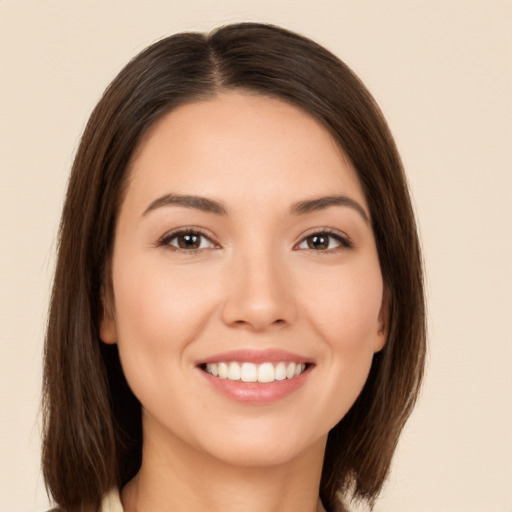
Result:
[257,392]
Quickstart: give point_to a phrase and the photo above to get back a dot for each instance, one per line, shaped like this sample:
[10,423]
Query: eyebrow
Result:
[210,206]
[320,203]
[196,202]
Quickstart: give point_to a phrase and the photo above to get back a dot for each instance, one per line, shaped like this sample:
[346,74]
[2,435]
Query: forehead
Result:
[241,145]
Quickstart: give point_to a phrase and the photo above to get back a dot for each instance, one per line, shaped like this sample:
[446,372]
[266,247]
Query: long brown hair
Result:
[92,421]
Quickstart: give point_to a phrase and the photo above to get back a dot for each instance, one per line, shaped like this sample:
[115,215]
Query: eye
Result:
[324,241]
[188,240]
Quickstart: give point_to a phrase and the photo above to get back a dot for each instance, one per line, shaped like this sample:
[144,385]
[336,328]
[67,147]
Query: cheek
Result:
[345,315]
[158,314]
[157,303]
[346,307]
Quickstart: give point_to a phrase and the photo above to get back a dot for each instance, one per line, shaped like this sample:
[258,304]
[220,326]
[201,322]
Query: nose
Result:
[259,294]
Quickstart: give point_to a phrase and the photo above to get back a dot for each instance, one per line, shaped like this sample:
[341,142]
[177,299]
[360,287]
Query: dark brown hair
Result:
[92,422]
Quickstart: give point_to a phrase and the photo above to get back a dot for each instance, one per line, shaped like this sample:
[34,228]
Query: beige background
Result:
[441,71]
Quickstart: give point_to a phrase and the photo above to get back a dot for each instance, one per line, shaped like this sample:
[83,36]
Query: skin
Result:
[255,282]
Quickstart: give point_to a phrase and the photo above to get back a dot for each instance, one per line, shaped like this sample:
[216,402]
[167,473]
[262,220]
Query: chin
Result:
[262,443]
[263,453]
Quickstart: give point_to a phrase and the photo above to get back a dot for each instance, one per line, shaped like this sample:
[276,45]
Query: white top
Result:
[111,501]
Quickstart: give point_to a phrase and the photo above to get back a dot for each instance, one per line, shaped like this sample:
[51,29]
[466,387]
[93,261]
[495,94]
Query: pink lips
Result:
[255,356]
[256,392]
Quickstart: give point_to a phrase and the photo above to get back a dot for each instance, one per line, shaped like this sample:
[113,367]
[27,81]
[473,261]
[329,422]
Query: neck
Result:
[176,477]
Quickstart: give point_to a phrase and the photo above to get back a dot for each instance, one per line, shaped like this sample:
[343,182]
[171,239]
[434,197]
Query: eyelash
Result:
[343,241]
[165,241]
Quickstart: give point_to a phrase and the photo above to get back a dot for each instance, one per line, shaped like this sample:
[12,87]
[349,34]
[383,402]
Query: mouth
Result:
[263,373]
[256,376]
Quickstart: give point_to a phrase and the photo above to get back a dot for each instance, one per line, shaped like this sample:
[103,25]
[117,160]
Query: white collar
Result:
[111,501]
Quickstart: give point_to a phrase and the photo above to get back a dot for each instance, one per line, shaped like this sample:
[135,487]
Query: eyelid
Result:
[164,240]
[344,240]
[340,236]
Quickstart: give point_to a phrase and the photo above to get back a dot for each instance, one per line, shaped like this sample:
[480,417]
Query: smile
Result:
[265,372]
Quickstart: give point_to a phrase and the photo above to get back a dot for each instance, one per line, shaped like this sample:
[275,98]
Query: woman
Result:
[237,320]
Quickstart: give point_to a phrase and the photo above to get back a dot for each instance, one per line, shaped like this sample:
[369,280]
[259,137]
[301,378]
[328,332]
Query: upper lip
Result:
[255,356]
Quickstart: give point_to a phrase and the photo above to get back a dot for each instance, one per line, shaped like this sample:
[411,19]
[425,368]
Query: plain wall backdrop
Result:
[440,70]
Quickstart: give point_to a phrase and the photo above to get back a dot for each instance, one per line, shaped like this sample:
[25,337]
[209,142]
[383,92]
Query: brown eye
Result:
[319,242]
[324,241]
[188,241]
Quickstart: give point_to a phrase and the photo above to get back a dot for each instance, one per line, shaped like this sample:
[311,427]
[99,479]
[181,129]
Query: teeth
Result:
[250,372]
[266,373]
[234,371]
[280,371]
[223,370]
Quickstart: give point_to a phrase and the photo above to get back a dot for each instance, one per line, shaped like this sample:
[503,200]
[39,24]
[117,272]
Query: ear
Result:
[108,328]
[383,323]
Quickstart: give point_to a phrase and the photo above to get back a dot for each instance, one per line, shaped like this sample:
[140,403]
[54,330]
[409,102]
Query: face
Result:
[247,297]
